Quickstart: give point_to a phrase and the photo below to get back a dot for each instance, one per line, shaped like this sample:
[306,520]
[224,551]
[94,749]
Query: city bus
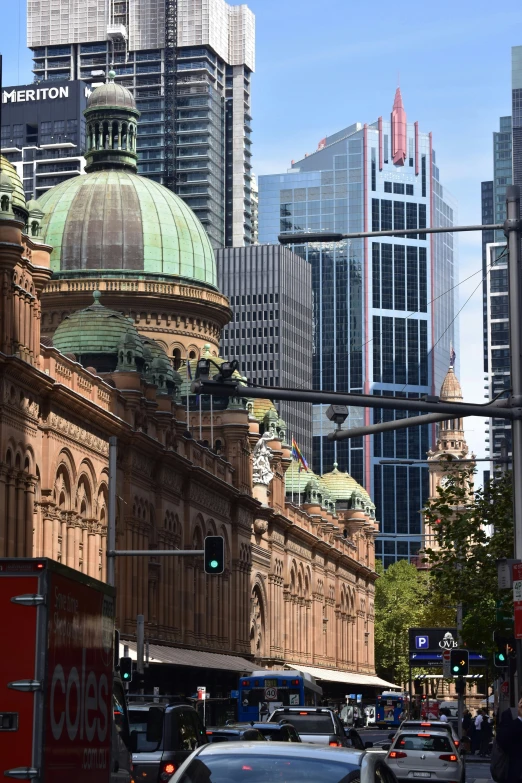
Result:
[391,709]
[262,691]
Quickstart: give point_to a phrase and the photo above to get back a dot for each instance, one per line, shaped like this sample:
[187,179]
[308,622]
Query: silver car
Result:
[425,755]
[432,725]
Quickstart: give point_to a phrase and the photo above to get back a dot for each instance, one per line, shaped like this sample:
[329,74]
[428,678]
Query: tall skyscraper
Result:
[270,293]
[188,64]
[384,310]
[516,112]
[43,132]
[497,366]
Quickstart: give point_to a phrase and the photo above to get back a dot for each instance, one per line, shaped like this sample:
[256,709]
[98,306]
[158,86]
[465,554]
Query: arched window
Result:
[176,353]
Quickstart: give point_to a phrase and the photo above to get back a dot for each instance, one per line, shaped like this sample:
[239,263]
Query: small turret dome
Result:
[10,175]
[111,95]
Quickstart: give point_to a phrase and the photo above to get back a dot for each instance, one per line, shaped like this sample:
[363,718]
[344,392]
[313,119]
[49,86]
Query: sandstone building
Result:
[108,300]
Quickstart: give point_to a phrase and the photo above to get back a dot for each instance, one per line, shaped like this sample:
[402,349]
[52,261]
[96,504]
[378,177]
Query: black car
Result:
[234,733]
[163,736]
[278,732]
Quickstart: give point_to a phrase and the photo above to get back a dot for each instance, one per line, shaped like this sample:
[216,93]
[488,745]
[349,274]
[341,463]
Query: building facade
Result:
[381,322]
[189,64]
[270,294]
[43,132]
[497,366]
[88,352]
[516,112]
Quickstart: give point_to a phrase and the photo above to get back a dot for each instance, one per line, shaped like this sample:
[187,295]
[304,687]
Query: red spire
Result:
[399,130]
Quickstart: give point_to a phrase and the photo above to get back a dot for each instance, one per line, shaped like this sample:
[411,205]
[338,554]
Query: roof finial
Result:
[96,295]
[111,75]
[453,356]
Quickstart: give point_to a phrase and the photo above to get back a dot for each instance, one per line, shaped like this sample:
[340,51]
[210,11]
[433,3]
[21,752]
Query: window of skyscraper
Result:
[398,187]
[409,190]
[387,187]
[386,215]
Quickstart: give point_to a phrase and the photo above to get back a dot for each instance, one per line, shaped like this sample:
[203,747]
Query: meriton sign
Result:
[40,94]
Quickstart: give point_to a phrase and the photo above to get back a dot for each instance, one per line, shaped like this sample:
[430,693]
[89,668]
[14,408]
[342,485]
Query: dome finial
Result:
[111,75]
[335,465]
[96,295]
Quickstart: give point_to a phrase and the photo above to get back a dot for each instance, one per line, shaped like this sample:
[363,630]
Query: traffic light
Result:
[214,555]
[500,659]
[505,651]
[126,669]
[459,663]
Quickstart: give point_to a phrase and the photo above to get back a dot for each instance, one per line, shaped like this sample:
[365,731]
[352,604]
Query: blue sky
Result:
[321,67]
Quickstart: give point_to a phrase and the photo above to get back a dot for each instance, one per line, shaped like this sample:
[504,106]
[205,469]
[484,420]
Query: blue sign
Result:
[234,694]
[422,642]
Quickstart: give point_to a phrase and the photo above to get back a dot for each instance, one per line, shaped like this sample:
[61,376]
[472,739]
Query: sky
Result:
[321,68]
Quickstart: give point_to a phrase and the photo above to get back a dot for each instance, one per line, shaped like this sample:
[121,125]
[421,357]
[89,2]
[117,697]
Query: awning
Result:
[159,653]
[350,678]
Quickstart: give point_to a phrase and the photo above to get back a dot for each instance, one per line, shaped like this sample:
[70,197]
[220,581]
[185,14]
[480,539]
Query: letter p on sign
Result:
[422,642]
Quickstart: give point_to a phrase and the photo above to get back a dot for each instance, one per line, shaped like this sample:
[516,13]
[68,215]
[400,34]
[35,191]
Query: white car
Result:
[426,755]
[432,725]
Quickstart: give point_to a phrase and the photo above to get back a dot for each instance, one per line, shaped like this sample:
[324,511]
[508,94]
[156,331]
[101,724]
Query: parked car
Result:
[266,762]
[163,737]
[234,733]
[319,725]
[426,754]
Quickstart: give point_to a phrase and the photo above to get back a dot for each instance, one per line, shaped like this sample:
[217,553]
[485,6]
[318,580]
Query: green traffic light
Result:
[455,668]
[213,563]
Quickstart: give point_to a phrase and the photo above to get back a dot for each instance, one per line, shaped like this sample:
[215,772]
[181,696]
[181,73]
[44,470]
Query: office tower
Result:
[270,293]
[496,308]
[381,322]
[188,64]
[516,112]
[43,132]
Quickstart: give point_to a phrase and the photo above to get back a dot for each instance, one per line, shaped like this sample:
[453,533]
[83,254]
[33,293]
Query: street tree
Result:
[471,529]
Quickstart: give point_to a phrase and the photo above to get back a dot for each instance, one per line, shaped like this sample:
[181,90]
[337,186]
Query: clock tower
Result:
[450,447]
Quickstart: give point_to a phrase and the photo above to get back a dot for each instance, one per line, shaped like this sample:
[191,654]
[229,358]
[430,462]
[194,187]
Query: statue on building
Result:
[261,461]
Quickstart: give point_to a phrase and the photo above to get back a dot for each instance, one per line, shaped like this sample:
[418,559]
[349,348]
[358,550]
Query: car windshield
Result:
[312,723]
[138,724]
[264,768]
[423,741]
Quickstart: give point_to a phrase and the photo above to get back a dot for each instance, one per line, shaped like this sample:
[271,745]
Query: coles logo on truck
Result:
[79,685]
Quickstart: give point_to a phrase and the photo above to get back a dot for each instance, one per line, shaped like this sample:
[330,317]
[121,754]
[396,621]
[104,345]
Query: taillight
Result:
[448,757]
[397,754]
[456,743]
[335,744]
[167,770]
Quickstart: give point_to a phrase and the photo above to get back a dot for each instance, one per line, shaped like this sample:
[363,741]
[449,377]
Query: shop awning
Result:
[159,653]
[350,678]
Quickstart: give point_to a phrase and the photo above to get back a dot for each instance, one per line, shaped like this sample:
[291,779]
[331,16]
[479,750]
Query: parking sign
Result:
[422,642]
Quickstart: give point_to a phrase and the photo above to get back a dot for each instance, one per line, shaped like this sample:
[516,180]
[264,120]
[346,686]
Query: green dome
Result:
[341,485]
[96,331]
[18,198]
[116,221]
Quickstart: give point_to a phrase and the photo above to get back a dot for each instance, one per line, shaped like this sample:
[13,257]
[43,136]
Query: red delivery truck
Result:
[63,714]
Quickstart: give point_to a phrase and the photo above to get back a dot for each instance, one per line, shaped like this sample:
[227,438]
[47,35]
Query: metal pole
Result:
[155,552]
[299,237]
[460,712]
[512,231]
[386,426]
[111,514]
[140,645]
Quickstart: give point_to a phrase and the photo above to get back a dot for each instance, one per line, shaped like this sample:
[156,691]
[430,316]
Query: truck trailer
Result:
[63,714]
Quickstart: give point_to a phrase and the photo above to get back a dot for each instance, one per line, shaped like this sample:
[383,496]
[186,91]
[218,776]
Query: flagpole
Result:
[211,424]
[188,398]
[200,429]
[299,486]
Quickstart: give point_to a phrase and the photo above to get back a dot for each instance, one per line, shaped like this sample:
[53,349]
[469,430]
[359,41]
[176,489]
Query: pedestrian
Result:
[486,734]
[509,738]
[264,712]
[467,723]
[443,716]
[475,737]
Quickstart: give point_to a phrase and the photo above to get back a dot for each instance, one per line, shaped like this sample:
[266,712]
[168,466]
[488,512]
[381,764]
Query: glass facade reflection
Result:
[381,322]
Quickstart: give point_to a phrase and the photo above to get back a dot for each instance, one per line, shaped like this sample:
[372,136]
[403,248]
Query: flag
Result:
[189,371]
[453,356]
[296,455]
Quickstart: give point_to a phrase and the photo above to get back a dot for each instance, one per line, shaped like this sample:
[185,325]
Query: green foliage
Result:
[472,530]
[403,599]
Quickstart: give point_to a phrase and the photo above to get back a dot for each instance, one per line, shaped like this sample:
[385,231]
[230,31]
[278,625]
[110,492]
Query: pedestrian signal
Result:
[459,663]
[126,669]
[214,555]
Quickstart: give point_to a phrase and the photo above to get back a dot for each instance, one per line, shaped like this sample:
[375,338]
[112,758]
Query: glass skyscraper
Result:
[188,63]
[497,366]
[383,310]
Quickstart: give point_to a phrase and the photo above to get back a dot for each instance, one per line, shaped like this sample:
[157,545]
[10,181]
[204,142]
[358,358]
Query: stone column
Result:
[70,559]
[77,542]
[47,532]
[187,613]
[3,511]
[11,516]
[57,524]
[29,519]
[20,515]
[91,551]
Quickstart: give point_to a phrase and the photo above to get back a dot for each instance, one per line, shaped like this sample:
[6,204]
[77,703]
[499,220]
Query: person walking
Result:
[486,733]
[509,738]
[475,737]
